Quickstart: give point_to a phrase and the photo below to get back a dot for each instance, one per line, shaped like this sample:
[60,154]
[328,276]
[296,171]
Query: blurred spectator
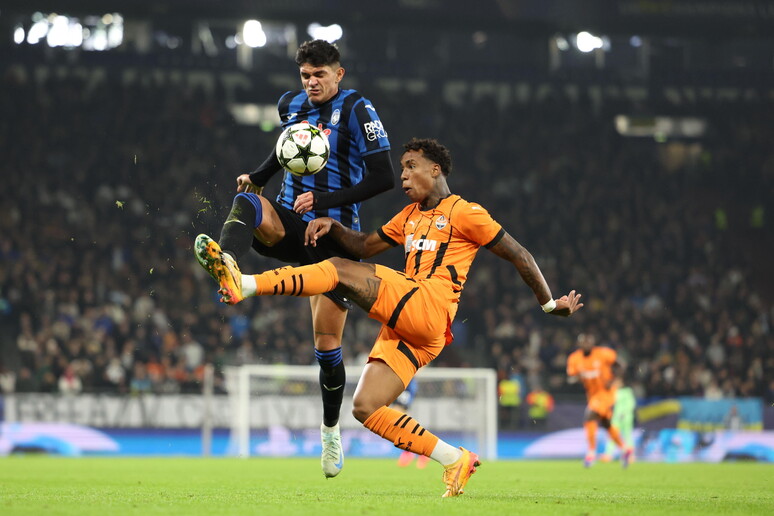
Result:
[97,271]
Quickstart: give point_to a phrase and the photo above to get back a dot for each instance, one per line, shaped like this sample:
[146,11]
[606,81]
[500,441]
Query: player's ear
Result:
[340,71]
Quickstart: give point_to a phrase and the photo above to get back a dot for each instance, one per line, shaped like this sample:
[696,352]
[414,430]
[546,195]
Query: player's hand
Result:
[317,228]
[304,203]
[567,305]
[245,185]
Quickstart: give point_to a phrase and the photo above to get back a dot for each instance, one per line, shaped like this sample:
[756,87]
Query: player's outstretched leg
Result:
[332,459]
[221,266]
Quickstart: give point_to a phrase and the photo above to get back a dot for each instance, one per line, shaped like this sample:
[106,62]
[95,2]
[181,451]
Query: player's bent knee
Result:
[361,409]
[248,202]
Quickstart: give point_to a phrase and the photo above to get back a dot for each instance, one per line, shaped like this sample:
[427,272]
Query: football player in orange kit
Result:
[597,368]
[440,234]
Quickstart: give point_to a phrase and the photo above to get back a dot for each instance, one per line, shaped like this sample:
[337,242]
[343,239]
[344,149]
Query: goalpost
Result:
[457,404]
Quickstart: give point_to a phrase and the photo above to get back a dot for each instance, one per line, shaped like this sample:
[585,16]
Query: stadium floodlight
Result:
[18,35]
[330,33]
[37,32]
[253,34]
[561,43]
[587,42]
[57,33]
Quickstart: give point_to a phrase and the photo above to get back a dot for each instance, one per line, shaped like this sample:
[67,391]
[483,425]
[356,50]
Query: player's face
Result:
[321,83]
[586,342]
[418,175]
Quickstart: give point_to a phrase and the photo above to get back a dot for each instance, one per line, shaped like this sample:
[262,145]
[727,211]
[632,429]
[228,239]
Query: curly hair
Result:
[433,151]
[317,53]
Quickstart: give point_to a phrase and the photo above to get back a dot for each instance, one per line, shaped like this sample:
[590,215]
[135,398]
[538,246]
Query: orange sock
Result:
[591,435]
[615,436]
[305,281]
[402,430]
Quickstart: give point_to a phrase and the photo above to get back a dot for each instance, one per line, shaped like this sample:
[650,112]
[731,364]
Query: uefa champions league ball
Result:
[303,149]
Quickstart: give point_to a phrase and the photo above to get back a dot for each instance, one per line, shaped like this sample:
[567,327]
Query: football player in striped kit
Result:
[359,167]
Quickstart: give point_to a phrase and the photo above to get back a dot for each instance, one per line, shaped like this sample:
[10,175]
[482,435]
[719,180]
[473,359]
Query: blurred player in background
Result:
[623,420]
[276,228]
[597,369]
[440,234]
[403,403]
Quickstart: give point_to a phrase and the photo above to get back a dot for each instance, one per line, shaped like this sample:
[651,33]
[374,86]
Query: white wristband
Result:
[549,306]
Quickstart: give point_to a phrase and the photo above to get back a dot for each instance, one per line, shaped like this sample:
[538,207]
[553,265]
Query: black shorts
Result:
[291,248]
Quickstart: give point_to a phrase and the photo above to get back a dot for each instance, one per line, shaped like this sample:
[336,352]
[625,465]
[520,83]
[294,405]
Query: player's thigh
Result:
[328,320]
[400,355]
[271,229]
[378,386]
[418,311]
[602,405]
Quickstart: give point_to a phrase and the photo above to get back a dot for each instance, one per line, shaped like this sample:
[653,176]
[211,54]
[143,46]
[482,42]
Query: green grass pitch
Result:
[191,486]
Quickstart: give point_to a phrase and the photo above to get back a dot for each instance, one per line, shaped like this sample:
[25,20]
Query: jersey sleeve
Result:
[609,355]
[283,107]
[478,226]
[392,232]
[367,129]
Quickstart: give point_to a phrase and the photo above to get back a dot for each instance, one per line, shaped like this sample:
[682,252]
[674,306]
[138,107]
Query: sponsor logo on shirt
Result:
[374,129]
[422,244]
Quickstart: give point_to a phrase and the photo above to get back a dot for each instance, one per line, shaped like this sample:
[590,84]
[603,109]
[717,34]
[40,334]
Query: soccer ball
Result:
[303,149]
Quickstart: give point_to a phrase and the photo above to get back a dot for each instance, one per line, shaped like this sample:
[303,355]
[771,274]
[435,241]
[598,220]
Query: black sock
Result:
[332,380]
[236,237]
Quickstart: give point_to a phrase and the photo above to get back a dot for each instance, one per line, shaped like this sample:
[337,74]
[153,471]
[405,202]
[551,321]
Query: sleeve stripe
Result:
[384,237]
[499,236]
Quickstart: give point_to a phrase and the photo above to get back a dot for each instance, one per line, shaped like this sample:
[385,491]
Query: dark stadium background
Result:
[113,160]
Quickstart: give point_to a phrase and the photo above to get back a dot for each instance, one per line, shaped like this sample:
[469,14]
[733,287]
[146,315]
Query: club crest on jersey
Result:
[335,117]
[440,222]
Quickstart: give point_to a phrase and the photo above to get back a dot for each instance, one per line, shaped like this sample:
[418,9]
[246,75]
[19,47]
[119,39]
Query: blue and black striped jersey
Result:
[354,130]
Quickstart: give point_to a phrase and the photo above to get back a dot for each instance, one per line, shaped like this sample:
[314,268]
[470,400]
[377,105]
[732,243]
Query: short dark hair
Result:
[317,52]
[433,151]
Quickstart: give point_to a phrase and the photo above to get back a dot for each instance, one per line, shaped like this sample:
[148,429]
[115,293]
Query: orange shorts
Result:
[416,315]
[601,402]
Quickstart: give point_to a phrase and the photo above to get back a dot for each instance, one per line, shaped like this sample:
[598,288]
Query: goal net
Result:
[277,410]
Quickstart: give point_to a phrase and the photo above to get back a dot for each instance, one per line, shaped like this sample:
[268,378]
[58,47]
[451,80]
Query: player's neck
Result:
[435,197]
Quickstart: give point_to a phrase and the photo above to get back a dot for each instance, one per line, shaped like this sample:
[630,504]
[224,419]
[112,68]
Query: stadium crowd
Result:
[107,182]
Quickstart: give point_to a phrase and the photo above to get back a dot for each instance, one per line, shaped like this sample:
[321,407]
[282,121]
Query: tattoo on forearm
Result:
[509,249]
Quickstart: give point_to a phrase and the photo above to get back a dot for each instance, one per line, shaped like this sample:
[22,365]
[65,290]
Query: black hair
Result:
[433,151]
[317,52]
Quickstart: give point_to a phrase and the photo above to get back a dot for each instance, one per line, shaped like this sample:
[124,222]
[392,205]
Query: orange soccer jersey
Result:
[442,242]
[595,370]
[417,307]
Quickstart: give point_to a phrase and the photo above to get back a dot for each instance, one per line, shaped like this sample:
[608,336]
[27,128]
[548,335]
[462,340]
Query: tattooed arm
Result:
[361,245]
[509,249]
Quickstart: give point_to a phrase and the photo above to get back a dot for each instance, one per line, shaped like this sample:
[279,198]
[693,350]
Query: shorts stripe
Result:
[398,309]
[406,351]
